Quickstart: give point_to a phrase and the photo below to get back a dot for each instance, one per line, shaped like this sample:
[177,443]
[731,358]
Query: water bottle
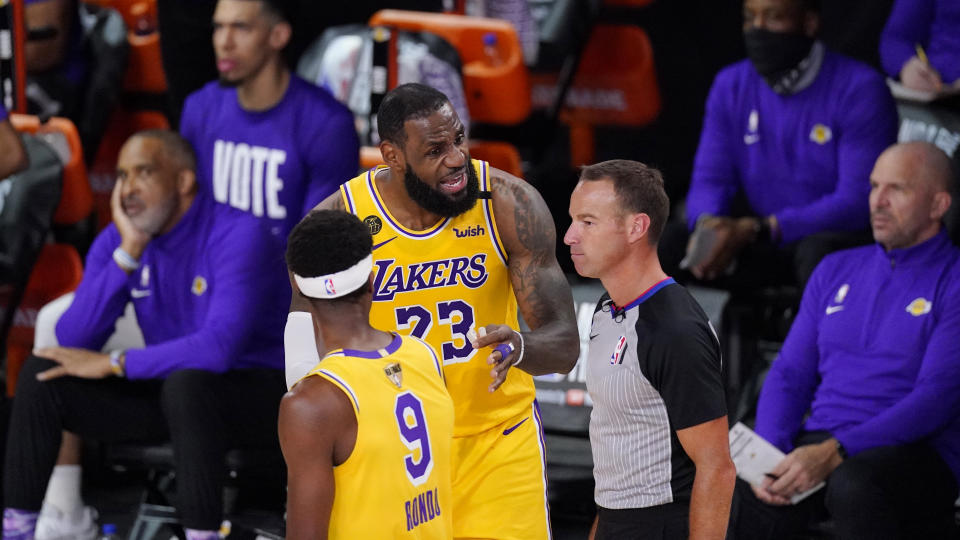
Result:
[109,532]
[490,51]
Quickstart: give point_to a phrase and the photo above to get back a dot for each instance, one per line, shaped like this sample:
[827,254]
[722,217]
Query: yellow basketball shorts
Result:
[500,482]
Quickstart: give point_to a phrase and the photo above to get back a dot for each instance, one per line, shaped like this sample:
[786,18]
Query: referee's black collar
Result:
[619,311]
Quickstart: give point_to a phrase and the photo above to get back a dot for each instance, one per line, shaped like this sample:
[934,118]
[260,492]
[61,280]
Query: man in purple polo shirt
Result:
[866,391]
[267,142]
[789,136]
[204,282]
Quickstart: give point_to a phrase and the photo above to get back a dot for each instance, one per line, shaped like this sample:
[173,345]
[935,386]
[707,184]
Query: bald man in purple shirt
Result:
[207,283]
[866,391]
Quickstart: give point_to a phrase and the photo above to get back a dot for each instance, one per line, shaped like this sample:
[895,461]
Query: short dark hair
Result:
[638,187]
[175,146]
[328,241]
[278,9]
[405,102]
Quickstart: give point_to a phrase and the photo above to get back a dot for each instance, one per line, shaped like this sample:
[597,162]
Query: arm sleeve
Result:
[934,400]
[686,372]
[333,156]
[715,179]
[868,127]
[299,347]
[241,287]
[908,25]
[100,299]
[789,387]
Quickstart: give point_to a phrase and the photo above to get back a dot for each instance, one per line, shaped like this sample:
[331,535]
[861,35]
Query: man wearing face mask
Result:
[780,177]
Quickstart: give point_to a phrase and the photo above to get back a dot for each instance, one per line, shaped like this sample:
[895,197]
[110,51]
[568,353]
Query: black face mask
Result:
[773,54]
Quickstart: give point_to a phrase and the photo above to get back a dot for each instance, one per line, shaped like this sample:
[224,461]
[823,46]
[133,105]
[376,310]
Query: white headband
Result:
[337,284]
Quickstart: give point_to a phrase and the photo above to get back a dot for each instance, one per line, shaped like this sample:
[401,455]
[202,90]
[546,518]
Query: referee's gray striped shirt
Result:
[638,461]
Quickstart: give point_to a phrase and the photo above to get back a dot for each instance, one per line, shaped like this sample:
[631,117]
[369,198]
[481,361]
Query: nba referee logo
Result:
[617,356]
[373,223]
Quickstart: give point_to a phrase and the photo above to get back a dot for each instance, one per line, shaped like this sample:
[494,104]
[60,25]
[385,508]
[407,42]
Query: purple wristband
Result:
[505,350]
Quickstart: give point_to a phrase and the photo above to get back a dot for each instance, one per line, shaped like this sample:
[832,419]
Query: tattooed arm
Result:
[527,231]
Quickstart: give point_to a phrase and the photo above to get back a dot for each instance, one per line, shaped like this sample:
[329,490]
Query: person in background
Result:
[268,143]
[780,177]
[865,393]
[204,282]
[920,44]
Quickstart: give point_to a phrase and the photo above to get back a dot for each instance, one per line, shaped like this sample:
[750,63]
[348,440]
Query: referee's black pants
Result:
[891,492]
[203,414]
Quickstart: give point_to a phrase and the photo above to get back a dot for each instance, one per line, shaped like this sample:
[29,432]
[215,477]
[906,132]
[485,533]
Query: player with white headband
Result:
[374,412]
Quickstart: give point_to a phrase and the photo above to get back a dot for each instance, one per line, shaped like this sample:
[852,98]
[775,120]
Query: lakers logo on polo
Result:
[920,306]
[199,285]
[373,223]
[821,134]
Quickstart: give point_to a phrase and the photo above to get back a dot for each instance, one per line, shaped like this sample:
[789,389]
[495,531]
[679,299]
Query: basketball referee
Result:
[658,429]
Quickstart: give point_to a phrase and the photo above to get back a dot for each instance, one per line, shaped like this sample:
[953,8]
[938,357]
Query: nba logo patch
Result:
[617,356]
[328,286]
[821,134]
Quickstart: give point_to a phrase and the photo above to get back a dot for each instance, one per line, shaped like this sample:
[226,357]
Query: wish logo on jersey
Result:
[247,177]
[392,279]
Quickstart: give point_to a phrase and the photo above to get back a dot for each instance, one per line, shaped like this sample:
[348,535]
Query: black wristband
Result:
[841,450]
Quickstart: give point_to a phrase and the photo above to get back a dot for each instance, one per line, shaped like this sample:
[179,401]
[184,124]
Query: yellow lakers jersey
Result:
[396,482]
[437,284]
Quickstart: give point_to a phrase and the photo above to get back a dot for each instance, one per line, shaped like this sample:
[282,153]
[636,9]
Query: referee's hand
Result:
[506,349]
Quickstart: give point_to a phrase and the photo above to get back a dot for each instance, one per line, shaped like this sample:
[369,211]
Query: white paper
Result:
[899,91]
[754,457]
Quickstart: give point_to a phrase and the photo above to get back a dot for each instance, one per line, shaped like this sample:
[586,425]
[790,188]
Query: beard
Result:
[439,203]
[152,220]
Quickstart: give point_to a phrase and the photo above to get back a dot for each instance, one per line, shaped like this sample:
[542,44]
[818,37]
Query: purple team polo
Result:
[805,158]
[209,294]
[873,353]
[932,24]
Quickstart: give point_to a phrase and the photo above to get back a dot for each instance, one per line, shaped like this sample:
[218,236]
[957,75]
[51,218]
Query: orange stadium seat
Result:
[58,270]
[495,94]
[144,68]
[501,155]
[609,89]
[76,199]
[123,123]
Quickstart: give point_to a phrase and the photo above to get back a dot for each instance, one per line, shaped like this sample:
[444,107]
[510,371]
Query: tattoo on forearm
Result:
[539,283]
